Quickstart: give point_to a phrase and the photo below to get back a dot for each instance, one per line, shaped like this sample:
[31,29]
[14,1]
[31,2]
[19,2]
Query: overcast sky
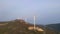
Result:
[46,11]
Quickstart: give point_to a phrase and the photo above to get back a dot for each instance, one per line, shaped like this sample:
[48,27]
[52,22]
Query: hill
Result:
[53,28]
[19,27]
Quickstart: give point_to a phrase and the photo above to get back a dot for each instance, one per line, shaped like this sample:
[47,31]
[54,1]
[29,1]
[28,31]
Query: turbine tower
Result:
[34,22]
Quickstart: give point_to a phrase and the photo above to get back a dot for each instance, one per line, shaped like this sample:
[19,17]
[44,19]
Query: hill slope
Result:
[22,27]
[17,27]
[55,28]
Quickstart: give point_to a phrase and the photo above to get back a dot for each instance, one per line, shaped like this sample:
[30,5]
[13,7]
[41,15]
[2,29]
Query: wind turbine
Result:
[34,22]
[35,25]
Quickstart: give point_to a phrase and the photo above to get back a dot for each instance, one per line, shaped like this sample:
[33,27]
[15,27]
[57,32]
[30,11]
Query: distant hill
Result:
[54,27]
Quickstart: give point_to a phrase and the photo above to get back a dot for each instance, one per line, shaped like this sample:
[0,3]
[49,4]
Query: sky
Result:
[46,11]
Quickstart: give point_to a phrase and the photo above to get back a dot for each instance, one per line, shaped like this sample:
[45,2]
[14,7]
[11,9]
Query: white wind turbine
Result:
[34,22]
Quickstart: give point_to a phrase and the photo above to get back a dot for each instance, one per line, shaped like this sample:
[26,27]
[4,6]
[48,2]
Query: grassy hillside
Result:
[21,27]
[17,27]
